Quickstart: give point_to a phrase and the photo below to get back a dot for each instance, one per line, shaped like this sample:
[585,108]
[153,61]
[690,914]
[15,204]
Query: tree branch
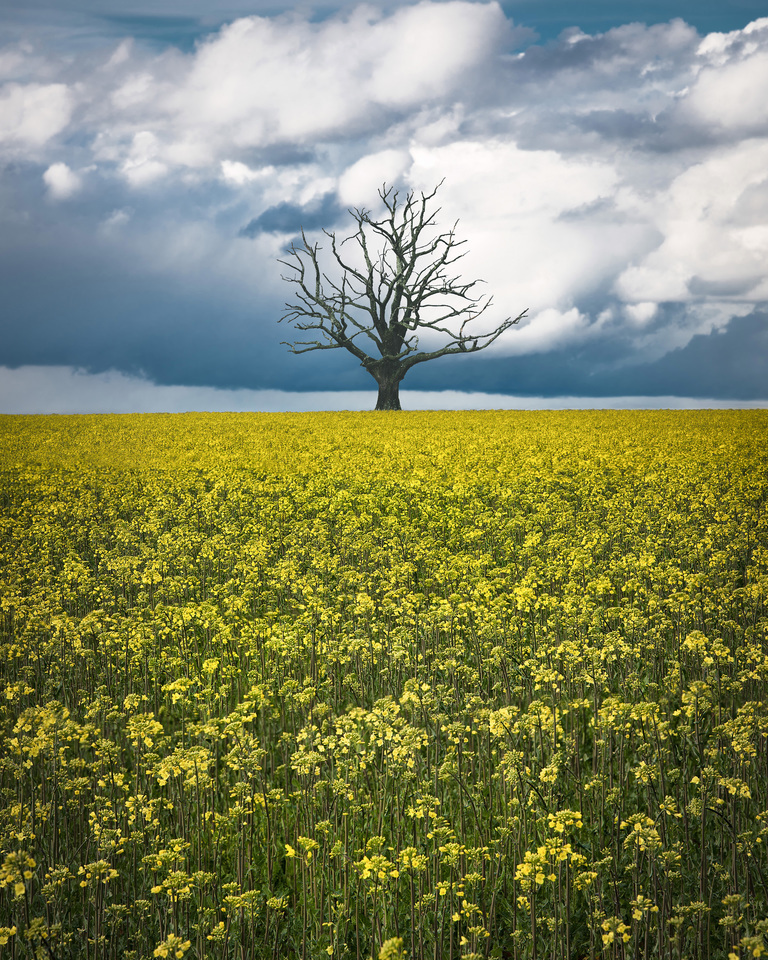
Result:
[395,285]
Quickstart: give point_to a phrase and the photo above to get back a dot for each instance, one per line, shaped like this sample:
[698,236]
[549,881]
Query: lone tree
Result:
[395,286]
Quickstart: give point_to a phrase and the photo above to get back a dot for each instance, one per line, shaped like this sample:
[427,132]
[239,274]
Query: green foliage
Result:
[450,685]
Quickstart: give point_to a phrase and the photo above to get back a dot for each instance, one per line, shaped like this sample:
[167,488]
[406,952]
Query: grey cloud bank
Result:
[63,390]
[615,183]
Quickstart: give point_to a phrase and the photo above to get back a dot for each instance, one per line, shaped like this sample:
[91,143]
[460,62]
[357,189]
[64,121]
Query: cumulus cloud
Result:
[549,329]
[711,244]
[62,182]
[261,81]
[359,183]
[641,313]
[142,165]
[116,219]
[614,184]
[237,173]
[510,204]
[31,114]
[731,96]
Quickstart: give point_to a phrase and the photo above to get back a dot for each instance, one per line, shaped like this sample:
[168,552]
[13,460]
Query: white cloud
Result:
[421,51]
[141,166]
[12,61]
[732,96]
[546,331]
[641,314]
[233,171]
[116,219]
[261,81]
[495,180]
[513,208]
[358,185]
[718,47]
[62,182]
[121,54]
[137,89]
[32,114]
[711,246]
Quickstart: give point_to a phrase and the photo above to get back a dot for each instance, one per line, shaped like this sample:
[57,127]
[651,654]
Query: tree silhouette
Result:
[394,286]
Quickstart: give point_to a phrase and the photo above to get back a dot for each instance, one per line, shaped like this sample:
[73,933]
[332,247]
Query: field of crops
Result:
[417,685]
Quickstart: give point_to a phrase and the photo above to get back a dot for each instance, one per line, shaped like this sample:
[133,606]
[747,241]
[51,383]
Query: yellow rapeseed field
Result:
[416,685]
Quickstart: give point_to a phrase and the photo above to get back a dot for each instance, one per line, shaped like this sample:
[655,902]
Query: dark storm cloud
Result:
[80,294]
[98,317]
[291,218]
[732,364]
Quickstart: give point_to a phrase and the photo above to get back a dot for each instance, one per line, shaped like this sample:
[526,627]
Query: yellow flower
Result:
[392,949]
[174,946]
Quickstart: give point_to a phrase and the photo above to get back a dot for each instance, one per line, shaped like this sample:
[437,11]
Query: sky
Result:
[607,163]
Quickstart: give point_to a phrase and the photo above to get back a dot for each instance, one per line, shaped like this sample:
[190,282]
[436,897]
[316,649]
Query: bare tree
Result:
[396,286]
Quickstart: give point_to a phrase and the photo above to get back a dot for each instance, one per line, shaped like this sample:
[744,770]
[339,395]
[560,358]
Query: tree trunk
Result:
[389,394]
